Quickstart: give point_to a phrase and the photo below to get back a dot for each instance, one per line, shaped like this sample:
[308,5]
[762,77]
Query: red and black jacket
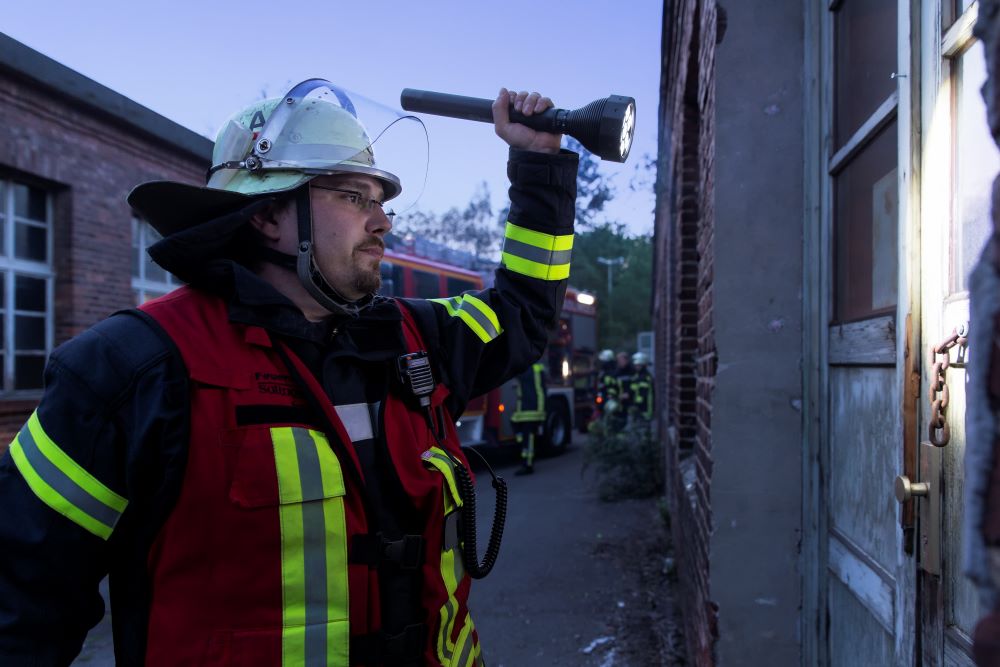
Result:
[96,482]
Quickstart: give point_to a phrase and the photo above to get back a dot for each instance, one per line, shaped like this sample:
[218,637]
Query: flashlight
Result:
[604,127]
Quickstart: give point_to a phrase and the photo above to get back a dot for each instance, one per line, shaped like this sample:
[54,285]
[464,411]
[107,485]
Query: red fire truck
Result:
[570,356]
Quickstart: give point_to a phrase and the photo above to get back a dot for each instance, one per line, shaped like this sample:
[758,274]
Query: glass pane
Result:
[866,210]
[427,285]
[153,271]
[30,293]
[137,251]
[29,202]
[30,242]
[977,163]
[29,332]
[388,284]
[458,286]
[28,370]
[864,57]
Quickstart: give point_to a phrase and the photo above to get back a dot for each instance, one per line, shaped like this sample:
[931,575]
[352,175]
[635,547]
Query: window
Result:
[456,286]
[25,284]
[392,279]
[149,280]
[863,168]
[976,162]
[426,284]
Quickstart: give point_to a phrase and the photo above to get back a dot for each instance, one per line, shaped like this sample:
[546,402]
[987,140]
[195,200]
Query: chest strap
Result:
[375,549]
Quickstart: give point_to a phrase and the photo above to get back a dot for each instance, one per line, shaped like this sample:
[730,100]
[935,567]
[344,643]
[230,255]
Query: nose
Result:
[378,223]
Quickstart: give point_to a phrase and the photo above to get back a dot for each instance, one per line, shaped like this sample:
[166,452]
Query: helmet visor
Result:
[318,128]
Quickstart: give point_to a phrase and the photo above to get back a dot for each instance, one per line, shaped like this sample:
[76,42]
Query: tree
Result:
[593,190]
[473,229]
[625,311]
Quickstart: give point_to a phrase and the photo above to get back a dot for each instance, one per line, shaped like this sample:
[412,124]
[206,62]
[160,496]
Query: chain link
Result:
[938,430]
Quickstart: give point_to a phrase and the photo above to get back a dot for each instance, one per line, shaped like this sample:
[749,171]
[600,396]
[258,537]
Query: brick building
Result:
[71,252]
[823,191]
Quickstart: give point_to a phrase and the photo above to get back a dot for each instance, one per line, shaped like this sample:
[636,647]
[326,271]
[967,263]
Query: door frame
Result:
[817,281]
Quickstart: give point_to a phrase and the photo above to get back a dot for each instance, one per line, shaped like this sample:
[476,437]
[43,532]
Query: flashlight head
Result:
[605,127]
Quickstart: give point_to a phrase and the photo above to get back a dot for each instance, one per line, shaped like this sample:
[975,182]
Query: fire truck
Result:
[570,356]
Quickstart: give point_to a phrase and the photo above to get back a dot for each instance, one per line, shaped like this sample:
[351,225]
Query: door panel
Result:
[864,458]
[855,638]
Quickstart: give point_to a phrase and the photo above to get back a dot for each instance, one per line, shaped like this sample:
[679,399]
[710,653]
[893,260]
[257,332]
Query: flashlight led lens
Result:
[628,127]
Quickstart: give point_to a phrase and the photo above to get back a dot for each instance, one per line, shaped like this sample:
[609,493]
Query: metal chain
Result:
[938,430]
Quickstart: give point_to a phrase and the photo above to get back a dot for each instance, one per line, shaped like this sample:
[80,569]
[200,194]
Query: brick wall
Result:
[89,161]
[686,355]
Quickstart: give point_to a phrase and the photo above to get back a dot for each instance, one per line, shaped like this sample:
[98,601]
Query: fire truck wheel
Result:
[558,431]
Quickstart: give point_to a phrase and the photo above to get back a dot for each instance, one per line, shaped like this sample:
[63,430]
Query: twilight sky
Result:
[196,63]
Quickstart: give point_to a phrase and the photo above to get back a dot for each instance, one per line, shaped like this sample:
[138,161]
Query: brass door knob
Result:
[905,489]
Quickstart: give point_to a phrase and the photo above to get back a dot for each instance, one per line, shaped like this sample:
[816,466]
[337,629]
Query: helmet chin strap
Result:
[309,273]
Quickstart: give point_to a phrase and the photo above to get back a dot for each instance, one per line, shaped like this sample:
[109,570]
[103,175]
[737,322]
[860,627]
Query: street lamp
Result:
[610,262]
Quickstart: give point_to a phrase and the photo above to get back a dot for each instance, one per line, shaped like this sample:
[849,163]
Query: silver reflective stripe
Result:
[536,254]
[463,659]
[480,318]
[313,548]
[357,419]
[63,485]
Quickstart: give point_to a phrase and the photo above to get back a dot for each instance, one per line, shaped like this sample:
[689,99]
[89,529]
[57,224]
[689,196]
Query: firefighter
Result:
[529,414]
[641,389]
[265,460]
[607,385]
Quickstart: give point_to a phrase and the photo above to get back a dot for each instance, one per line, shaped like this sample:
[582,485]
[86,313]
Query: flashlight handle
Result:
[479,109]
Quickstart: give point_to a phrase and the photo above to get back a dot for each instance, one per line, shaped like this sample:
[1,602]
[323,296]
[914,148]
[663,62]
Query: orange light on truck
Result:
[599,400]
[501,408]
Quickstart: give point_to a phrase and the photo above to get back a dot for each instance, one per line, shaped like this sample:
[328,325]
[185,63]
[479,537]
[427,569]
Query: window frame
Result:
[143,288]
[11,267]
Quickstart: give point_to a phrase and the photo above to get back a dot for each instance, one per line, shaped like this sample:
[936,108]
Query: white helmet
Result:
[606,355]
[640,359]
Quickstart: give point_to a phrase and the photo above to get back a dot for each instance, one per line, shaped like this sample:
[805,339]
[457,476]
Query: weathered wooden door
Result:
[959,161]
[867,587]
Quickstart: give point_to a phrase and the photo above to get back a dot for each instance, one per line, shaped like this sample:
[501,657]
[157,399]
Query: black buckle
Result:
[407,553]
[403,649]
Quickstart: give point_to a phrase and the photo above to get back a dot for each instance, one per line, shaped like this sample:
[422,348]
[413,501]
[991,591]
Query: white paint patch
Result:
[868,586]
[776,325]
[772,109]
[600,641]
[797,405]
[767,602]
[609,659]
[621,605]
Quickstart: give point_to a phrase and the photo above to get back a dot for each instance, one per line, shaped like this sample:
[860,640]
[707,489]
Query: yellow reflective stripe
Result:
[436,457]
[315,611]
[538,239]
[476,314]
[532,269]
[536,254]
[450,303]
[463,645]
[62,484]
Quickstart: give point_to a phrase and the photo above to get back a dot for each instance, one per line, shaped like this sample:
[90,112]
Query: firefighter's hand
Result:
[522,136]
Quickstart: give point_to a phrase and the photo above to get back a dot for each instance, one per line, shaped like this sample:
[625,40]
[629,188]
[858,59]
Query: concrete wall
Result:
[757,480]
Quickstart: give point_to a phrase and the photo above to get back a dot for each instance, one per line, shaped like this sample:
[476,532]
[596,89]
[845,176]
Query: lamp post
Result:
[610,262]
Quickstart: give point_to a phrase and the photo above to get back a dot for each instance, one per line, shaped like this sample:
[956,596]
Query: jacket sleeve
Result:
[483,339]
[75,479]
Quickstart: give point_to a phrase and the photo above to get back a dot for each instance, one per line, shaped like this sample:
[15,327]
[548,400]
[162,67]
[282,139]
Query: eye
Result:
[353,197]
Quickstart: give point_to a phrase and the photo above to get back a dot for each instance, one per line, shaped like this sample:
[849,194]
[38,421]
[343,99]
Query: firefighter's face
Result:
[348,230]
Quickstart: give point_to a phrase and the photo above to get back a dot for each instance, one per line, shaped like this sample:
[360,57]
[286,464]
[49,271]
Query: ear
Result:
[266,223]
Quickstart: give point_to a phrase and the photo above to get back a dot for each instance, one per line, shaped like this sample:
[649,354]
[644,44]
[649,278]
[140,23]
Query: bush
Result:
[628,463]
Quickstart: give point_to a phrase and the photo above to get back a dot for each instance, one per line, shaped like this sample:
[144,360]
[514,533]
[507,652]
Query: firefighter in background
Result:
[641,389]
[264,462]
[607,385]
[623,376]
[529,414]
